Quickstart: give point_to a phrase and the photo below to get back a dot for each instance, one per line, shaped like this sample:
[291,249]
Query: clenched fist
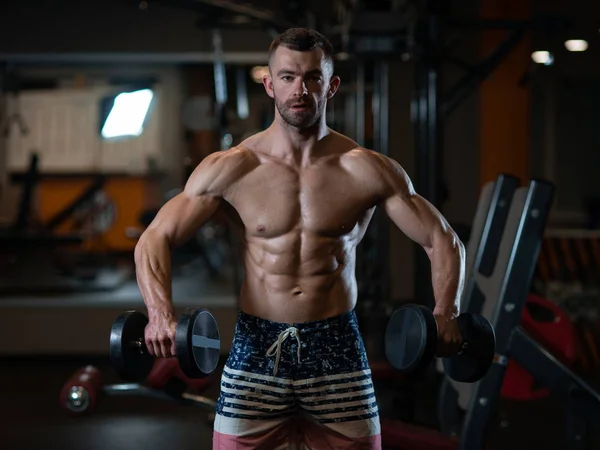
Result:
[449,336]
[160,336]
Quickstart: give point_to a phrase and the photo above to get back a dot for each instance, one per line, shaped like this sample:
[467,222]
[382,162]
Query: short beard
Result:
[299,119]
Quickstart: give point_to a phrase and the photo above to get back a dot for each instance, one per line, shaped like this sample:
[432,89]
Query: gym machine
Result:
[501,250]
[488,227]
[34,255]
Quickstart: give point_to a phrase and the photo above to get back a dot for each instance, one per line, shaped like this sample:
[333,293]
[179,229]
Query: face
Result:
[300,83]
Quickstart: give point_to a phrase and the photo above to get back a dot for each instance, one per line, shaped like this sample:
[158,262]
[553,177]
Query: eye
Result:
[286,78]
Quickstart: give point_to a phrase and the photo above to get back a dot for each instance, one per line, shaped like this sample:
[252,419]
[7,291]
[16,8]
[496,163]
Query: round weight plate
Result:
[131,362]
[486,349]
[410,338]
[198,343]
[474,361]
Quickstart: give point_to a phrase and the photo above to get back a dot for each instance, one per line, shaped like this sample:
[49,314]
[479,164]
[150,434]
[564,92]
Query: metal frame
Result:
[583,401]
[263,15]
[490,223]
[381,144]
[360,102]
[469,82]
[136,389]
[133,58]
[489,242]
[3,141]
[373,273]
[509,307]
[428,126]
[431,108]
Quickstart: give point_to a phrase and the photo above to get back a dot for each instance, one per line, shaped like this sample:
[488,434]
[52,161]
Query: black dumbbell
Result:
[411,339]
[197,344]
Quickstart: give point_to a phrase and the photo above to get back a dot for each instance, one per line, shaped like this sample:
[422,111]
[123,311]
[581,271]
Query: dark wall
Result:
[565,114]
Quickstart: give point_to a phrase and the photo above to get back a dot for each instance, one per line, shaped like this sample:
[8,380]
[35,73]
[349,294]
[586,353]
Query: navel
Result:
[297,291]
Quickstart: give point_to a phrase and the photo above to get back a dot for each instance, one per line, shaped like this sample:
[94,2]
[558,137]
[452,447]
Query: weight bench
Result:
[498,287]
[504,245]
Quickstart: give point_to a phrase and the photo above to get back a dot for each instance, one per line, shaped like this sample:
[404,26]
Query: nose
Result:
[300,89]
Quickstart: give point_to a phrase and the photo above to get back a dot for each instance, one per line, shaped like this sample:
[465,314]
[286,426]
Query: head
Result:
[300,78]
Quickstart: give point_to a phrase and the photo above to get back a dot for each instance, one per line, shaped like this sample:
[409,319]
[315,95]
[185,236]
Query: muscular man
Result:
[297,375]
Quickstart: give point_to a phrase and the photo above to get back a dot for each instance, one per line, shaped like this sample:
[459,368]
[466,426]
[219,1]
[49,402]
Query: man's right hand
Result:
[160,336]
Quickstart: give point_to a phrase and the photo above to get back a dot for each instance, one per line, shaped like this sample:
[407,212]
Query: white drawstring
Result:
[276,347]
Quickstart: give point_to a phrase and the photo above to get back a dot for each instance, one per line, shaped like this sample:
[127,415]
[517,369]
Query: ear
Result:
[268,84]
[334,84]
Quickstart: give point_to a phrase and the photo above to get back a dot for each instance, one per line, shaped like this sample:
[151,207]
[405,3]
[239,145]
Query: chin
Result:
[302,122]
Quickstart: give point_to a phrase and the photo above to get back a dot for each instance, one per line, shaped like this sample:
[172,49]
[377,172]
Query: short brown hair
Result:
[302,40]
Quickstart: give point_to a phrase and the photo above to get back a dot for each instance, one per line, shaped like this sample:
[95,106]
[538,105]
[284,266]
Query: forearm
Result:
[153,272]
[447,256]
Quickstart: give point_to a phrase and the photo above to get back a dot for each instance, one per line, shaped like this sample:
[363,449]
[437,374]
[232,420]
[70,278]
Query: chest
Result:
[326,200]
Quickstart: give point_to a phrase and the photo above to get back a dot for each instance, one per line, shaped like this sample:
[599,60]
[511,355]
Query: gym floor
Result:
[32,419]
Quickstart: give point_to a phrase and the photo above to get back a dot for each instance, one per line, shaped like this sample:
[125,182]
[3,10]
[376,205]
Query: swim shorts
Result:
[297,386]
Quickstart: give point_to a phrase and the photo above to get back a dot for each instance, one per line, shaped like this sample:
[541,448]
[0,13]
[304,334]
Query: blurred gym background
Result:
[106,108]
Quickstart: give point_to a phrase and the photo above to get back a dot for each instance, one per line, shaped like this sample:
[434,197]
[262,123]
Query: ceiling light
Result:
[576,45]
[542,57]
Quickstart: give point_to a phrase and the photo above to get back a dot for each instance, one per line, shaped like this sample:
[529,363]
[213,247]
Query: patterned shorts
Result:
[304,386]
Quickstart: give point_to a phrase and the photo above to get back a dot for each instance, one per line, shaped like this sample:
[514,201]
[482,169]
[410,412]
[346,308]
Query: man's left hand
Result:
[449,336]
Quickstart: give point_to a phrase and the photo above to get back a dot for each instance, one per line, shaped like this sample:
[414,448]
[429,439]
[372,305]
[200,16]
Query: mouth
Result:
[299,107]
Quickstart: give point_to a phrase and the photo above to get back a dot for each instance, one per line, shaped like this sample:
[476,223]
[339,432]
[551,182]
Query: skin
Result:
[302,196]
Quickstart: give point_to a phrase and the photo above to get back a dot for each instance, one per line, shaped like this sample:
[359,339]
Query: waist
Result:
[253,327]
[297,299]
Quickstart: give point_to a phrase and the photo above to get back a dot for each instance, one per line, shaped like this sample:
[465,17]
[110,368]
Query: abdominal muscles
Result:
[299,276]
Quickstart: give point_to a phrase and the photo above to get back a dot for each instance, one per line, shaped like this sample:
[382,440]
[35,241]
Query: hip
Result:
[299,350]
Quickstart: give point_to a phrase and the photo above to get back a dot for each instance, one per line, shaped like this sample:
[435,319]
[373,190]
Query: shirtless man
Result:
[297,375]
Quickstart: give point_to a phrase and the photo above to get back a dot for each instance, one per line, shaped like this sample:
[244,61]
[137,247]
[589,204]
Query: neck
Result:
[297,144]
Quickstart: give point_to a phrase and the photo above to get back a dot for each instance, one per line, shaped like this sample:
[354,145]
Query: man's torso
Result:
[301,228]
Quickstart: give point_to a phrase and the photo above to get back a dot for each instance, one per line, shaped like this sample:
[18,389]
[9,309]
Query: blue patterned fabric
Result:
[328,346]
[329,377]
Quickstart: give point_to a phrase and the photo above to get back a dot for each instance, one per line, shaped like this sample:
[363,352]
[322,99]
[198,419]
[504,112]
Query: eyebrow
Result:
[292,72]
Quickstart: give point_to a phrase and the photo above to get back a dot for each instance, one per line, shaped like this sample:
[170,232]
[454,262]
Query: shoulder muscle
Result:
[383,174]
[219,171]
